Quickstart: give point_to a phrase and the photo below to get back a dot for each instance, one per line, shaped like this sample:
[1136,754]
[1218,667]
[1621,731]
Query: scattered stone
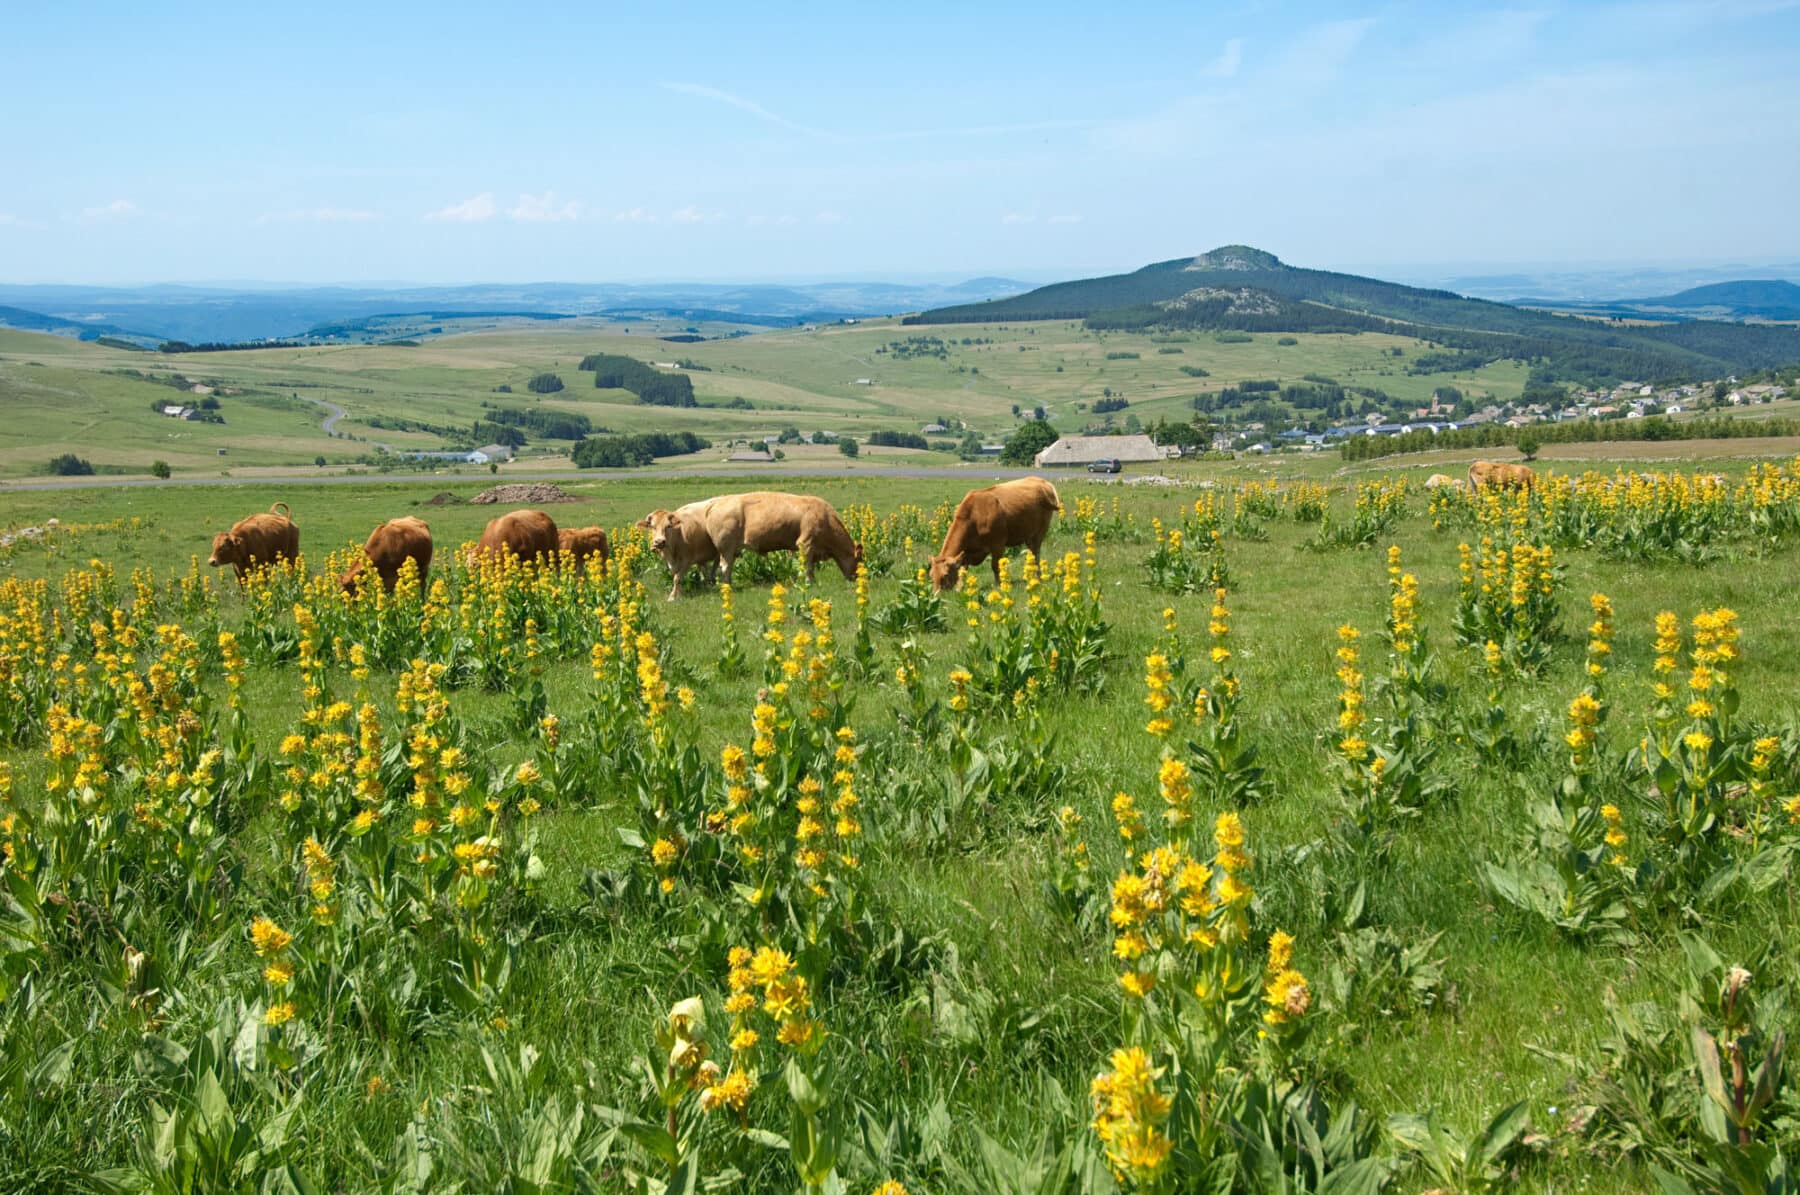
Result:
[442,498]
[534,493]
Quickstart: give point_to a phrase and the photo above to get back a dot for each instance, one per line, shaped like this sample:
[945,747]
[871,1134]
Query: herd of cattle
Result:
[711,534]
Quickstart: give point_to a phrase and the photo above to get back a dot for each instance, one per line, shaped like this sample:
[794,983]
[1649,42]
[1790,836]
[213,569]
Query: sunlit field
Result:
[1285,833]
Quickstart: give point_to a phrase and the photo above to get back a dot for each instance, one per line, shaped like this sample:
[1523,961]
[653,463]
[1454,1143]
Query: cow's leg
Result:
[805,548]
[994,563]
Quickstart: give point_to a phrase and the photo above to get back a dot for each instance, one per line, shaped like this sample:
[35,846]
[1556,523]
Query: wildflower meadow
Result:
[1270,836]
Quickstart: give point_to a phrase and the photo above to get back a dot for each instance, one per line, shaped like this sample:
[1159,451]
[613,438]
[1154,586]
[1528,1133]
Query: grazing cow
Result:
[1501,474]
[257,540]
[390,546]
[987,522]
[1444,481]
[680,538]
[527,534]
[775,522]
[582,542]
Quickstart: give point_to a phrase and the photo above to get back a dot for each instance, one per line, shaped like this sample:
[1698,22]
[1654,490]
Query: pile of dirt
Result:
[442,498]
[535,493]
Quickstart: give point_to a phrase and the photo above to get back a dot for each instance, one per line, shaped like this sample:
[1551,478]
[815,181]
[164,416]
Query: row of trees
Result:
[624,452]
[1577,431]
[652,386]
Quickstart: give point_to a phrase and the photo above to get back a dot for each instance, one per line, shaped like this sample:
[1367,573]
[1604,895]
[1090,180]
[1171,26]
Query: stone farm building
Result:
[1084,450]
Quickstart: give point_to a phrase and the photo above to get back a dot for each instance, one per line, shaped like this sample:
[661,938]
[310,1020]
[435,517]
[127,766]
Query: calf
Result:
[389,547]
[257,540]
[583,542]
[679,536]
[987,522]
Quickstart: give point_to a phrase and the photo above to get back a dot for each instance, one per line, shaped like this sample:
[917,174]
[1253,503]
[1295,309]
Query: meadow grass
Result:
[1013,1002]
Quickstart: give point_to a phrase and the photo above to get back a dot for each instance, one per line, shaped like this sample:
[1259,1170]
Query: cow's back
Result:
[527,534]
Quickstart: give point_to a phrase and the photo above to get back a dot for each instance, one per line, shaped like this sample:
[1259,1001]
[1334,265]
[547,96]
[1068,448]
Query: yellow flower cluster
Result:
[1351,716]
[1129,1114]
[1158,681]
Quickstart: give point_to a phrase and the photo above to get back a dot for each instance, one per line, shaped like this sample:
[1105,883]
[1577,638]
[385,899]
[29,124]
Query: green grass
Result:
[1032,998]
[66,400]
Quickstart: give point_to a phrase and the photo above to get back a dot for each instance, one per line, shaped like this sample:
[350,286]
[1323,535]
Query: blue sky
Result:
[456,142]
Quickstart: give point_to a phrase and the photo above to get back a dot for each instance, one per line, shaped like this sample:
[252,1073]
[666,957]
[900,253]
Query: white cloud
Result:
[7,220]
[472,210]
[320,215]
[1227,63]
[1070,218]
[1017,218]
[544,209]
[828,217]
[755,109]
[118,209]
[636,215]
[1320,52]
[693,215]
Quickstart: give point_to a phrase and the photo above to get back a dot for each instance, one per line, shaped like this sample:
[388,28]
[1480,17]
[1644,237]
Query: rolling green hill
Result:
[1237,288]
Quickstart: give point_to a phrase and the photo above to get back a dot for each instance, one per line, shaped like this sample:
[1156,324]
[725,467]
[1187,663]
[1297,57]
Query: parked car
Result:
[1109,465]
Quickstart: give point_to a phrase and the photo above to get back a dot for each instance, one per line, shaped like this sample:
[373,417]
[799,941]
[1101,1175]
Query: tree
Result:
[319,460]
[847,446]
[1025,443]
[1528,444]
[69,465]
[544,383]
[1038,413]
[160,470]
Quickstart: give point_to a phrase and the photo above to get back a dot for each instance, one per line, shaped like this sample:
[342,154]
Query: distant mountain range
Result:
[1240,289]
[1763,299]
[212,314]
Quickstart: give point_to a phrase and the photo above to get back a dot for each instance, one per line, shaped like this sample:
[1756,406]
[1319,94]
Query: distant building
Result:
[933,429]
[750,457]
[863,382]
[1084,450]
[491,452]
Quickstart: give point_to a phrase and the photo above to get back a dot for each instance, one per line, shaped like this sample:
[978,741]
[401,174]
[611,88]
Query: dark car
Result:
[1109,465]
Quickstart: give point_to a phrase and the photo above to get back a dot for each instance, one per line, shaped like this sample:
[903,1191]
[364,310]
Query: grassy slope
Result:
[65,401]
[598,984]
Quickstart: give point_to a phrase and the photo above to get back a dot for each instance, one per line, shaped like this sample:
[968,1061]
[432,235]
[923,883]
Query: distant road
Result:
[328,425]
[997,472]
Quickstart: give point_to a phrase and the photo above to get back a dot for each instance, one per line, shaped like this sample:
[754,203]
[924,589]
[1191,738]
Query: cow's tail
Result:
[280,508]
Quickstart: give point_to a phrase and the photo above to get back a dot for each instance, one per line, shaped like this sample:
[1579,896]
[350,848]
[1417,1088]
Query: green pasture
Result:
[65,396]
[1031,999]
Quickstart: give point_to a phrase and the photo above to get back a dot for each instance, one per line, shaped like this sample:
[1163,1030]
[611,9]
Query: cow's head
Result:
[227,549]
[663,526]
[945,571]
[858,552]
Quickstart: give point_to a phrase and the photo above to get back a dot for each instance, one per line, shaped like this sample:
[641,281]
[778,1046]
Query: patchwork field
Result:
[68,396]
[283,909]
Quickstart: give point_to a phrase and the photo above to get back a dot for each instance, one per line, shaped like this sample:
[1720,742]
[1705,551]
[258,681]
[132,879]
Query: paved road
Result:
[972,472]
[328,425]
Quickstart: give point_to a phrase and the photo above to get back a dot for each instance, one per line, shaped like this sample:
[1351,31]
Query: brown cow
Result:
[987,522]
[390,546]
[1500,473]
[679,537]
[582,542]
[257,540]
[775,522]
[527,534]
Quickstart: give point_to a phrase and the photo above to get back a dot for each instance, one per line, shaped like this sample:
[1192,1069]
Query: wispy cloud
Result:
[1067,218]
[1017,218]
[544,209]
[118,209]
[761,221]
[636,215]
[702,91]
[1227,63]
[472,210]
[691,214]
[1321,51]
[828,217]
[319,215]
